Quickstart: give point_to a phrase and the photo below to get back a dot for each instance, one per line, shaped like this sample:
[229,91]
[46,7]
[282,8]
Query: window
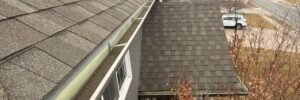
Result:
[124,76]
[228,18]
[121,73]
[120,83]
[237,18]
[111,92]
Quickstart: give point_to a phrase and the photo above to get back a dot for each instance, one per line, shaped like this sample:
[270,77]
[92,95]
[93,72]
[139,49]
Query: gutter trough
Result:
[104,83]
[78,77]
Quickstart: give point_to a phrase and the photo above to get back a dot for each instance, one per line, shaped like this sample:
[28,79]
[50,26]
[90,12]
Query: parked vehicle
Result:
[234,20]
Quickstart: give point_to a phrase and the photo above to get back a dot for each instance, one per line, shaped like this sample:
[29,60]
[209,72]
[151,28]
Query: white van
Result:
[234,20]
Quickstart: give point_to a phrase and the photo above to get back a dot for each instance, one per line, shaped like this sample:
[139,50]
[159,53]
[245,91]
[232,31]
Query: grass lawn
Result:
[286,68]
[240,4]
[293,1]
[282,23]
[267,55]
[255,20]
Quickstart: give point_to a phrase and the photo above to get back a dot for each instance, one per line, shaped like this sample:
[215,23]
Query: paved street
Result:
[280,11]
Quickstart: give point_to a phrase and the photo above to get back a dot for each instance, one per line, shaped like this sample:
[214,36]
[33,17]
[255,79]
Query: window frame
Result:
[121,68]
[226,18]
[123,89]
[124,86]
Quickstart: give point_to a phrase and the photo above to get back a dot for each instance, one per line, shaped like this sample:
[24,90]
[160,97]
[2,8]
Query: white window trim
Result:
[125,69]
[102,98]
[128,79]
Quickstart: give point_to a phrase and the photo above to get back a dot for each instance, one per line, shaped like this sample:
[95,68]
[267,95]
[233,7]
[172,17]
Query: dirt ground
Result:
[289,3]
[240,4]
[270,37]
[257,20]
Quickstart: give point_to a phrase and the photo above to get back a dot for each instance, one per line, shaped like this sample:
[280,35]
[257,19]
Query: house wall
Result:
[135,57]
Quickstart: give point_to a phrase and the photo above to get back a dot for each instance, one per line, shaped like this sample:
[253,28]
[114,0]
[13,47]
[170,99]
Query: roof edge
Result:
[195,93]
[75,80]
[244,92]
[140,16]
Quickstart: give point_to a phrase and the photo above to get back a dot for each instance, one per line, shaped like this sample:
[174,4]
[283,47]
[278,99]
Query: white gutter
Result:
[75,80]
[105,81]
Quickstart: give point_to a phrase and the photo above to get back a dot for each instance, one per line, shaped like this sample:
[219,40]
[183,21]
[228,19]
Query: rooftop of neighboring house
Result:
[186,38]
[42,41]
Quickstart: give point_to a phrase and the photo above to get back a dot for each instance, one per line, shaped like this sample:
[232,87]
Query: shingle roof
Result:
[188,37]
[2,93]
[41,41]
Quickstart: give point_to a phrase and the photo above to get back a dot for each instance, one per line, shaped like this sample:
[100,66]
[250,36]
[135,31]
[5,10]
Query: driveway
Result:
[279,11]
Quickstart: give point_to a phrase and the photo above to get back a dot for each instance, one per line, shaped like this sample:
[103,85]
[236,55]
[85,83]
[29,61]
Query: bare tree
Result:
[231,5]
[182,87]
[270,74]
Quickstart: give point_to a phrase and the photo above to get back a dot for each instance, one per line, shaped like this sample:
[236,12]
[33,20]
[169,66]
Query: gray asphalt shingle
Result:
[115,1]
[90,31]
[117,14]
[41,63]
[41,41]
[9,8]
[107,3]
[42,4]
[125,8]
[121,10]
[46,22]
[74,12]
[68,1]
[2,17]
[138,1]
[187,37]
[105,20]
[130,5]
[67,47]
[134,3]
[92,6]
[2,93]
[16,36]
[20,83]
